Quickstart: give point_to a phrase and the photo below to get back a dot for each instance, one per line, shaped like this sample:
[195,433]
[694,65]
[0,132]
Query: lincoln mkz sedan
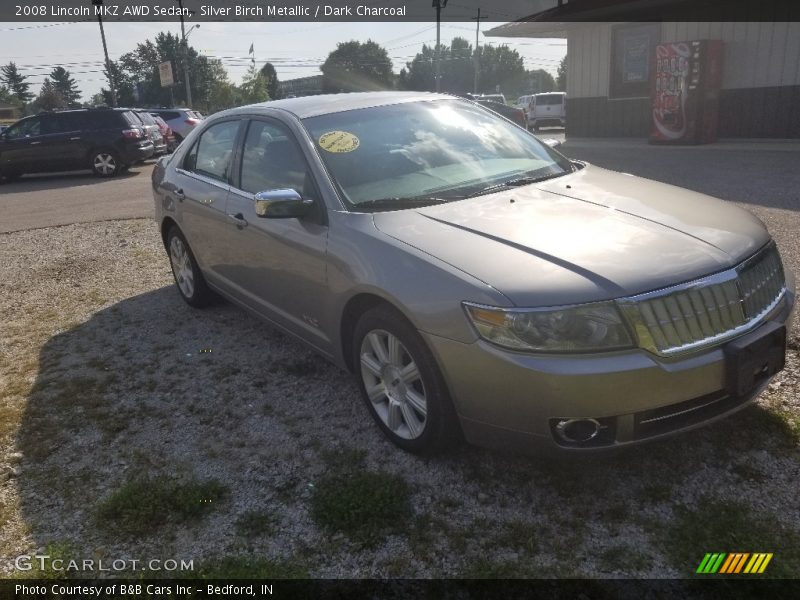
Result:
[478,284]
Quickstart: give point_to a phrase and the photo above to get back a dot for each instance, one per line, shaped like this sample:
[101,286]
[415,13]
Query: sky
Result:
[296,49]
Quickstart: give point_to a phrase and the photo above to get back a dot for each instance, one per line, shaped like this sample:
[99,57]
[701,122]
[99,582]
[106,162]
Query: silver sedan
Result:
[478,284]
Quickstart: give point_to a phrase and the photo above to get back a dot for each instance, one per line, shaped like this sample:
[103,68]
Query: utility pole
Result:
[477,20]
[185,58]
[439,5]
[105,52]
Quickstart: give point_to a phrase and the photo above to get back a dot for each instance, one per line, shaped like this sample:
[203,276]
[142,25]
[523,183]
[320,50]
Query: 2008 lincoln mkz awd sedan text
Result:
[479,284]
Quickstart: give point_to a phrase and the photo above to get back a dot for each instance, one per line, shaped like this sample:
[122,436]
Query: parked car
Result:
[166,132]
[474,280]
[153,131]
[511,113]
[104,140]
[3,128]
[524,103]
[499,98]
[548,110]
[180,120]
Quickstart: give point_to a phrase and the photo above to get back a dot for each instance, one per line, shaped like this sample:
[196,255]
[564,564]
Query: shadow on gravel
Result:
[149,390]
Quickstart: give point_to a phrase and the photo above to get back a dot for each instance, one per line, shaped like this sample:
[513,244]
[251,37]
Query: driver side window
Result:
[213,152]
[272,160]
[26,128]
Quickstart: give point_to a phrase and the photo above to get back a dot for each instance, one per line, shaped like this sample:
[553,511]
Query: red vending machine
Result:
[685,92]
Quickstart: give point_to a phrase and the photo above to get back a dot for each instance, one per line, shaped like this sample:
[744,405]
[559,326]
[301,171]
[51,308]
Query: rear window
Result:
[146,118]
[549,99]
[168,115]
[106,119]
[195,114]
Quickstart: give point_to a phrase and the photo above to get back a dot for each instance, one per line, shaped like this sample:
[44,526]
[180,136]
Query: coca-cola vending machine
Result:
[685,92]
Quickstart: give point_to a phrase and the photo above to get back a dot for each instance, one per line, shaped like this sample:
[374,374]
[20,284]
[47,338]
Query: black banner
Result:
[398,10]
[433,589]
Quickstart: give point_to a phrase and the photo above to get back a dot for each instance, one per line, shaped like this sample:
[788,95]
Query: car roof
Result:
[323,104]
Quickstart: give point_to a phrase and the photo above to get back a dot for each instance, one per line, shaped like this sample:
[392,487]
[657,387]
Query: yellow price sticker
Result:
[338,141]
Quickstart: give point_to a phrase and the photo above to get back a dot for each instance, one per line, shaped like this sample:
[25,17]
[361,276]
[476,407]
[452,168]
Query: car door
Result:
[277,266]
[202,182]
[61,146]
[20,143]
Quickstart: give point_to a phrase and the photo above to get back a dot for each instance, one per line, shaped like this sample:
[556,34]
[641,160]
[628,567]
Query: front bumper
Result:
[511,400]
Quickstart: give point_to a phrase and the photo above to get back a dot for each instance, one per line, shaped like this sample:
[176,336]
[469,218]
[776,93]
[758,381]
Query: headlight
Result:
[590,327]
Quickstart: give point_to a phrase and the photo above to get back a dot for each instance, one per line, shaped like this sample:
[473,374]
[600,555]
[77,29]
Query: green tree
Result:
[561,80]
[273,85]
[357,67]
[254,87]
[66,86]
[50,97]
[123,84]
[501,66]
[15,82]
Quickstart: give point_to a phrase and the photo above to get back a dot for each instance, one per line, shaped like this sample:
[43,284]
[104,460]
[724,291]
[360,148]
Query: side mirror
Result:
[552,142]
[281,204]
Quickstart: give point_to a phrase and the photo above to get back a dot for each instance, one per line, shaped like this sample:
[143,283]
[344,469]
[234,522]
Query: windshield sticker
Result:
[338,141]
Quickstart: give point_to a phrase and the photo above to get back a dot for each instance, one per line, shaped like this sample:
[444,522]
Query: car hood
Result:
[589,236]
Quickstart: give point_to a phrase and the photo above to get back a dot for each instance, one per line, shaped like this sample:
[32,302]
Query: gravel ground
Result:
[108,376]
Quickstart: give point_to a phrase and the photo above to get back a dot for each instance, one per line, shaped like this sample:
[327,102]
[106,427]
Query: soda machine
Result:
[685,92]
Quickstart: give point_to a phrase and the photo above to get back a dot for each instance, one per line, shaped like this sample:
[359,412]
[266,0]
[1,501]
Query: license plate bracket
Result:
[754,357]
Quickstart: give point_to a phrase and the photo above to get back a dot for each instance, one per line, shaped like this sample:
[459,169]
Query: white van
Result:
[548,110]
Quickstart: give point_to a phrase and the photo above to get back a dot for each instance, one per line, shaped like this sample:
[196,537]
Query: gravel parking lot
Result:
[132,427]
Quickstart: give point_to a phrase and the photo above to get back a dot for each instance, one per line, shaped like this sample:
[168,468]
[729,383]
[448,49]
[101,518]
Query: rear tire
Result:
[401,384]
[188,278]
[105,162]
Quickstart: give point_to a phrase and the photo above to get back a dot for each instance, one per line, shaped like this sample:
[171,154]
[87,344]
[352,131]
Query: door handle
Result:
[72,139]
[238,220]
[180,195]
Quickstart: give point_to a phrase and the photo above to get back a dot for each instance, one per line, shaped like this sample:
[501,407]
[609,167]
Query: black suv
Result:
[106,140]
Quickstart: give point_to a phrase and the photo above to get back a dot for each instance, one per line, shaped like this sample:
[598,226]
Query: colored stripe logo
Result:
[734,563]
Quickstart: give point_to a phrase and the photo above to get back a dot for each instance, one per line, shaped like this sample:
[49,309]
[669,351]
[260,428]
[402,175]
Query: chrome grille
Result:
[708,310]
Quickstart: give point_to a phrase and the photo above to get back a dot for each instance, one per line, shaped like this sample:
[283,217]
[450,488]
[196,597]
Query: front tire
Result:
[401,384]
[188,277]
[105,163]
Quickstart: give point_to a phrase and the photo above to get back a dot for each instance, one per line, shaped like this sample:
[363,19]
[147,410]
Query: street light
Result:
[438,5]
[105,52]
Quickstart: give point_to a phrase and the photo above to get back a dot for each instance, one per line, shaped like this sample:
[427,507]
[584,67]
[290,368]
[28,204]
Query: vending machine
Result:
[685,92]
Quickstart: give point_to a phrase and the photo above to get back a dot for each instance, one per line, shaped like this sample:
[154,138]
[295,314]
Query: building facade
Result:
[609,85]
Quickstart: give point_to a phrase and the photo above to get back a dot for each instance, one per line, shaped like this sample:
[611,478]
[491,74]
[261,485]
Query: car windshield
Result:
[436,150]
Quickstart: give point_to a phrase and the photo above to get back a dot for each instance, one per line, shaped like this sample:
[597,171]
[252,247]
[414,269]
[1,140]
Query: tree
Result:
[50,97]
[271,76]
[15,82]
[501,66]
[561,80]
[254,87]
[66,86]
[357,67]
[123,85]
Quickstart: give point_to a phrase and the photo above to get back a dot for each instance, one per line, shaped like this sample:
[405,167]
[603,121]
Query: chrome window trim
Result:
[204,178]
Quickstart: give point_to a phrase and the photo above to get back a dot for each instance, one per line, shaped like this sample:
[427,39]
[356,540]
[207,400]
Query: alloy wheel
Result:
[393,384]
[105,164]
[181,266]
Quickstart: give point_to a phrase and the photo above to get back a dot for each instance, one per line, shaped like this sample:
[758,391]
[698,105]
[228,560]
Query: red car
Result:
[167,132]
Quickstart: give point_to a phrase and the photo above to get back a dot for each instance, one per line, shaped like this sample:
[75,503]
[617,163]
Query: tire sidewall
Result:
[200,294]
[440,422]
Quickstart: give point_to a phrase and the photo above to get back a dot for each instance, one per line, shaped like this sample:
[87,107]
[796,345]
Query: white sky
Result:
[296,49]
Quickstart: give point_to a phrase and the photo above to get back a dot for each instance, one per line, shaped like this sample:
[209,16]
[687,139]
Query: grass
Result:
[729,526]
[246,567]
[255,523]
[147,505]
[364,506]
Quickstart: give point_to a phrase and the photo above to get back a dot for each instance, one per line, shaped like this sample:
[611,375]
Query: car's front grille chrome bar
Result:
[708,310]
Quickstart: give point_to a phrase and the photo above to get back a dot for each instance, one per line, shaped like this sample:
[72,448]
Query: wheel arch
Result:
[167,223]
[352,311]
